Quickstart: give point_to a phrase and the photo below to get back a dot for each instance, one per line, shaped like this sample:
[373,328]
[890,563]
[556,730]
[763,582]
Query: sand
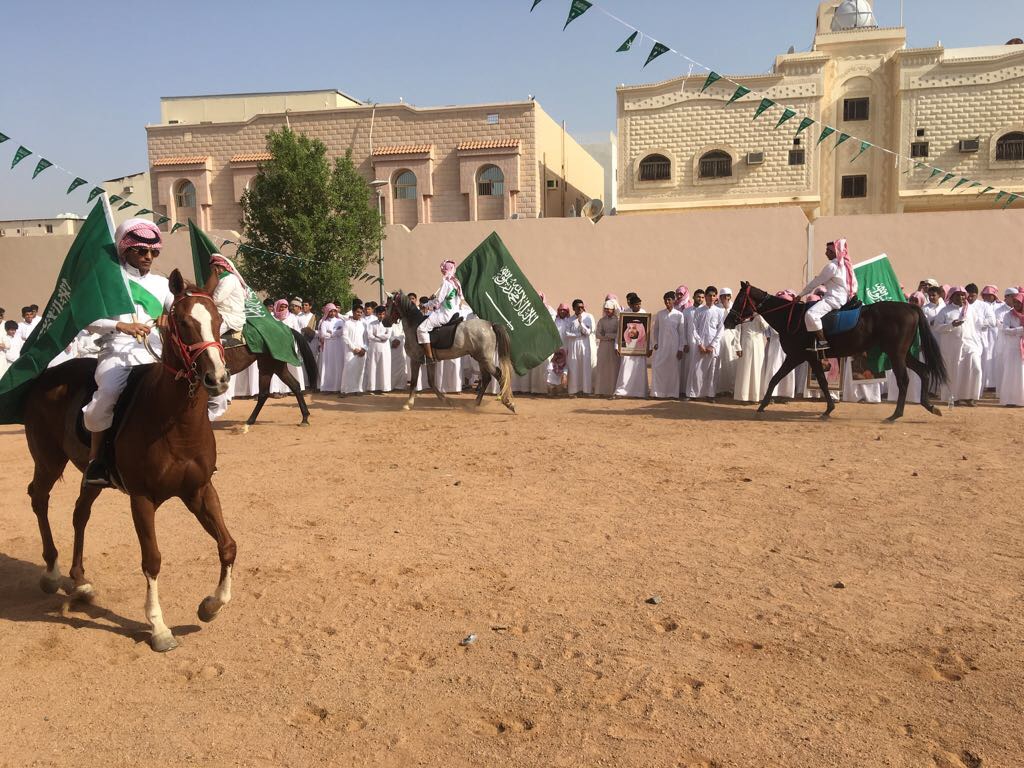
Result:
[374,541]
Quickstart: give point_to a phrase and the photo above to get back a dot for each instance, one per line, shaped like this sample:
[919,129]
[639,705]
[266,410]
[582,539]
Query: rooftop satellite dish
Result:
[593,210]
[853,14]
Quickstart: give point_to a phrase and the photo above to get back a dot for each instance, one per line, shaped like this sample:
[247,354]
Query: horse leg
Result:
[432,380]
[43,480]
[899,370]
[293,384]
[144,517]
[205,505]
[414,377]
[483,384]
[787,365]
[261,399]
[83,510]
[922,371]
[819,374]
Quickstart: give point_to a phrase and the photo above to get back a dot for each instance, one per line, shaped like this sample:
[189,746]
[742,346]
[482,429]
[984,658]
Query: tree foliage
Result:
[323,217]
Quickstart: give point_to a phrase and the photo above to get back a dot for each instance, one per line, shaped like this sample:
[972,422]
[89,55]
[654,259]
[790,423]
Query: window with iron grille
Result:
[855,186]
[655,168]
[185,195]
[856,109]
[405,186]
[490,182]
[919,149]
[716,165]
[797,157]
[1010,147]
[49,229]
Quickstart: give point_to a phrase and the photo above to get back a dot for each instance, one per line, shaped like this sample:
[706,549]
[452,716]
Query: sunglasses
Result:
[141,250]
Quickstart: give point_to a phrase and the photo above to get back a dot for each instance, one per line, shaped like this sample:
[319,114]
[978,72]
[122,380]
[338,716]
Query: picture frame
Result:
[634,334]
[861,373]
[833,374]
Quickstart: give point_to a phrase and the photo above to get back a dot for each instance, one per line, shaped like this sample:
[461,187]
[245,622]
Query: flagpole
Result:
[124,273]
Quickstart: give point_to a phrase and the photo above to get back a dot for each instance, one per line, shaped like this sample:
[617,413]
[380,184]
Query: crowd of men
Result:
[690,353]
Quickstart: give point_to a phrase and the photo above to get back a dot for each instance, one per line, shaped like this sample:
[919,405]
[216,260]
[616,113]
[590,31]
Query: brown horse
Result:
[240,358]
[164,448]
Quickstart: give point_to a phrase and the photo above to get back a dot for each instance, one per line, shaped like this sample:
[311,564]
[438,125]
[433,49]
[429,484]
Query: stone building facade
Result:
[462,163]
[957,109]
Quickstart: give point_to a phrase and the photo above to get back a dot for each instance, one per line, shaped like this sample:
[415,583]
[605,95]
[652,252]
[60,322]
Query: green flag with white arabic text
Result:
[498,291]
[877,281]
[90,286]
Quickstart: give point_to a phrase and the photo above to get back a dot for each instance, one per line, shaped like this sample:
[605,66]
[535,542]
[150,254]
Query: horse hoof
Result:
[825,416]
[208,610]
[48,584]
[303,423]
[85,592]
[406,407]
[935,410]
[163,643]
[892,419]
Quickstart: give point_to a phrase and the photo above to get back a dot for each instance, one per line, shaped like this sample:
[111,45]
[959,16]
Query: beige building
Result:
[461,163]
[961,110]
[64,224]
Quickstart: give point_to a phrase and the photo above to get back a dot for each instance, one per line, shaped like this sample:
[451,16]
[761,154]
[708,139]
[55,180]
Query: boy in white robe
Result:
[354,341]
[750,384]
[378,356]
[399,360]
[703,344]
[331,349]
[579,327]
[1011,351]
[728,348]
[669,341]
[961,349]
[632,379]
[687,362]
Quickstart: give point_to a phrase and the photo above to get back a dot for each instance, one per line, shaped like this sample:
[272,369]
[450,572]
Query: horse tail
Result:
[308,360]
[504,361]
[930,351]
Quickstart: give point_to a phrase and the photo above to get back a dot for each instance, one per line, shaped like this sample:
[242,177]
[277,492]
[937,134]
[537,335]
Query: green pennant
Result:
[41,166]
[960,184]
[20,155]
[535,4]
[176,227]
[3,138]
[126,204]
[741,91]
[825,133]
[656,51]
[974,184]
[627,43]
[787,114]
[806,123]
[162,219]
[918,165]
[864,147]
[842,137]
[946,178]
[764,106]
[935,172]
[1011,200]
[94,193]
[713,78]
[1000,196]
[577,9]
[985,191]
[114,199]
[79,181]
[143,211]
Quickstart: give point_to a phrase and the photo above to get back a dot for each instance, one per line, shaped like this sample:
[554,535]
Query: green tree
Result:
[321,216]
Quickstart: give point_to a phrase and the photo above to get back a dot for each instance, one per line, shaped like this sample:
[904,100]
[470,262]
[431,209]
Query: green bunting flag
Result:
[974,184]
[114,199]
[985,191]
[806,123]
[741,91]
[713,78]
[864,147]
[94,193]
[535,4]
[162,220]
[176,227]
[627,43]
[577,9]
[1011,200]
[960,184]
[763,107]
[3,138]
[946,178]
[656,51]
[1000,196]
[79,181]
[787,114]
[142,211]
[935,172]
[842,137]
[20,155]
[41,166]
[825,133]
[918,165]
[126,204]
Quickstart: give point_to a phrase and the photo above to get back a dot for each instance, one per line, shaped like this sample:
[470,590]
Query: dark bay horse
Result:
[890,325]
[485,342]
[164,448]
[240,358]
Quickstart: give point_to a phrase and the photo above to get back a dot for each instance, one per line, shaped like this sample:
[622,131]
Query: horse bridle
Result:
[189,353]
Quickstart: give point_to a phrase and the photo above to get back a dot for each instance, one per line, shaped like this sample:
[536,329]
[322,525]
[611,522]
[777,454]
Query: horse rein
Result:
[757,308]
[189,353]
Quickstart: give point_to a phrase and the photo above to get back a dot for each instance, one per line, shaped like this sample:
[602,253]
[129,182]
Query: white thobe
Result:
[706,332]
[378,357]
[931,310]
[687,361]
[332,360]
[749,385]
[578,331]
[12,347]
[632,379]
[399,360]
[961,351]
[997,358]
[353,338]
[229,296]
[668,344]
[1011,367]
[25,329]
[857,390]
[985,324]
[773,359]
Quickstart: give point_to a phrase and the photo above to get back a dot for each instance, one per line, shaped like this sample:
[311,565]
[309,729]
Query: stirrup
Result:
[818,346]
[97,475]
[232,339]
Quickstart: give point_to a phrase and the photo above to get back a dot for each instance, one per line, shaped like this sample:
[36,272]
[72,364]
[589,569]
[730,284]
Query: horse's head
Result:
[392,309]
[194,336]
[744,307]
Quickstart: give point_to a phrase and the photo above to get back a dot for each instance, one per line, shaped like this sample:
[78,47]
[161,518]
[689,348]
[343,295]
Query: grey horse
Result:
[485,342]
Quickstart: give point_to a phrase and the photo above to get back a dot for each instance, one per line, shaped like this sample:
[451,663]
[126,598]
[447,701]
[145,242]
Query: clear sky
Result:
[81,80]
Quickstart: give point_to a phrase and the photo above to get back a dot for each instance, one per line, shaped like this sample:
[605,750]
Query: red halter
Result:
[189,353]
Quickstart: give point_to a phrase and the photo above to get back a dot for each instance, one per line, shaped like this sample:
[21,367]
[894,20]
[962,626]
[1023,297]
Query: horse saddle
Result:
[444,337]
[124,402]
[842,320]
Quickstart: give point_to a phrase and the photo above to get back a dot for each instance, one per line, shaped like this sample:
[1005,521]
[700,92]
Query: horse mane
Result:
[407,307]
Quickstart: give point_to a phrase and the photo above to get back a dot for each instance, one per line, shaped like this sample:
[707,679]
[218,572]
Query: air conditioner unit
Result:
[514,216]
[552,183]
[129,189]
[970,145]
[755,158]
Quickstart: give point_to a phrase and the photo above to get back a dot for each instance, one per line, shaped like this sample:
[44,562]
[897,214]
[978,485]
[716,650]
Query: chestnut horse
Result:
[164,448]
[240,358]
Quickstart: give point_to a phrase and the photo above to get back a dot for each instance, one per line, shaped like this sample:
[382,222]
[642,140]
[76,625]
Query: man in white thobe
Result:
[353,337]
[378,355]
[839,284]
[632,379]
[579,327]
[728,348]
[961,348]
[668,350]
[703,344]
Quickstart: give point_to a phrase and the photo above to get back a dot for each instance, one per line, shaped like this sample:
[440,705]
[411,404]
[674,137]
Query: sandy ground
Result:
[373,542]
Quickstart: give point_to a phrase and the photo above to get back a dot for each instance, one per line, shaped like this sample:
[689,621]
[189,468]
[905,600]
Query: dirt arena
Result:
[842,594]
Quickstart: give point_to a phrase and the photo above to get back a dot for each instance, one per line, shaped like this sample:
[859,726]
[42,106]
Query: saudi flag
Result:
[877,281]
[90,286]
[262,331]
[498,291]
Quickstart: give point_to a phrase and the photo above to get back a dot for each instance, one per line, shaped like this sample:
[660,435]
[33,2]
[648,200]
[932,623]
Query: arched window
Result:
[185,195]
[1010,146]
[716,165]
[405,186]
[490,182]
[655,168]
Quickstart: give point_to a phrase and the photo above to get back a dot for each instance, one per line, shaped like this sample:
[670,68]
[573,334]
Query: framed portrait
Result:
[833,375]
[634,333]
[860,371]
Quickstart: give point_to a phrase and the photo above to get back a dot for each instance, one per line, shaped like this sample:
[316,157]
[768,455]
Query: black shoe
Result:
[96,474]
[818,346]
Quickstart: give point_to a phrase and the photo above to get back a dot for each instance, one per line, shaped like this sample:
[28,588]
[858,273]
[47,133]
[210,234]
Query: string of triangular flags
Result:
[578,7]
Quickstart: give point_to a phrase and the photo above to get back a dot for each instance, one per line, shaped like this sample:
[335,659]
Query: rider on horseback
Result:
[840,285]
[447,302]
[229,296]
[138,244]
